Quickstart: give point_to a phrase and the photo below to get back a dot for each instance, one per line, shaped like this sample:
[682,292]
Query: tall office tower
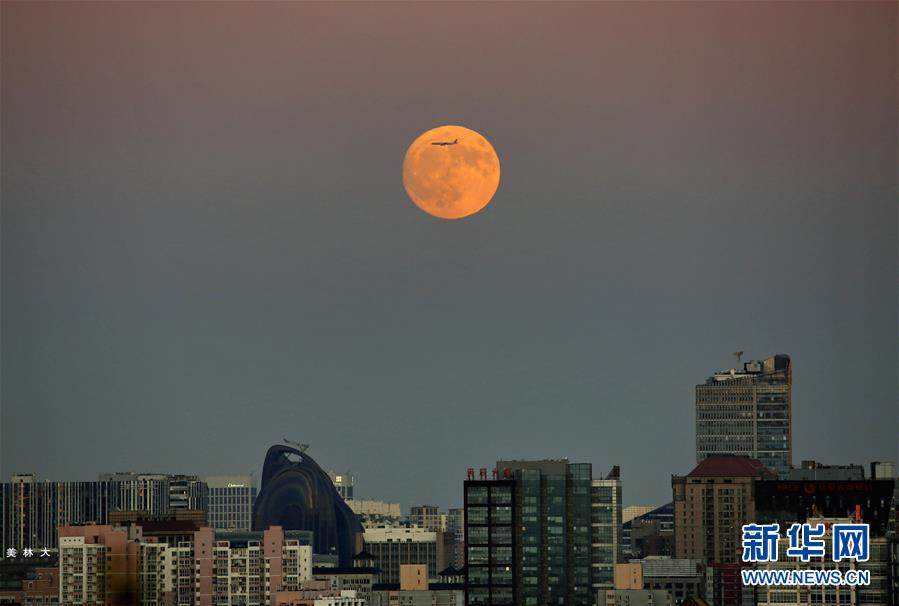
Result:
[711,504]
[748,412]
[549,518]
[605,503]
[493,513]
[231,502]
[428,516]
[343,482]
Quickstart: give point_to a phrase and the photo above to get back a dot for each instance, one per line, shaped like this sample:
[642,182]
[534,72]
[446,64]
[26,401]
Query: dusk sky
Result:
[207,247]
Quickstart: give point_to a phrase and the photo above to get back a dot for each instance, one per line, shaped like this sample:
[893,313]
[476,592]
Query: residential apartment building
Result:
[102,564]
[711,504]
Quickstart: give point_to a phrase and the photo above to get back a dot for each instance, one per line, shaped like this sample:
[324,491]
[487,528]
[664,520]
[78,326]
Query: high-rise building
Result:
[32,510]
[156,493]
[748,412]
[231,501]
[343,482]
[605,521]
[493,514]
[711,504]
[546,506]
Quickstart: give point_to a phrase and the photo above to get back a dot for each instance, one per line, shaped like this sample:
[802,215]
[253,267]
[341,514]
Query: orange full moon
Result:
[451,172]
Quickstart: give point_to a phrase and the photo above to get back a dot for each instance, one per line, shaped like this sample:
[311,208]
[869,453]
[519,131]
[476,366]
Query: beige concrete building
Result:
[711,504]
[629,576]
[413,577]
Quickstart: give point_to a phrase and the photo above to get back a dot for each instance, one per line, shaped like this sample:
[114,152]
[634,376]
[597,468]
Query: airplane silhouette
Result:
[453,142]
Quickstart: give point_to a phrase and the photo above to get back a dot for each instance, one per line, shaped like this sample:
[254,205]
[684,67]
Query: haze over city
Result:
[207,246]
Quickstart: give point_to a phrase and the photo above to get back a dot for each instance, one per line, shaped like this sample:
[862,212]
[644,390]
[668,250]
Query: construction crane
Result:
[297,445]
[739,356]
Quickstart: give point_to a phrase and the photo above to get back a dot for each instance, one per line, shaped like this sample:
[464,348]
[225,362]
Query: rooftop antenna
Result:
[297,445]
[738,355]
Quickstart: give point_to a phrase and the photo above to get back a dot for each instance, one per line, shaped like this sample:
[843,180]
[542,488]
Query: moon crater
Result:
[451,172]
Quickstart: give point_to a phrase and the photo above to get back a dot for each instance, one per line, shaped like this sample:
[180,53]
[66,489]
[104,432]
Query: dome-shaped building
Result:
[297,494]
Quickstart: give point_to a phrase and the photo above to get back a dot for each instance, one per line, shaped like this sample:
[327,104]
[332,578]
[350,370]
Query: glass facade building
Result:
[748,412]
[528,535]
[605,505]
[490,539]
[31,511]
[231,502]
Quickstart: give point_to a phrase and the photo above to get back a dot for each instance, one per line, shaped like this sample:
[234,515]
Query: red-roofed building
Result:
[711,504]
[731,466]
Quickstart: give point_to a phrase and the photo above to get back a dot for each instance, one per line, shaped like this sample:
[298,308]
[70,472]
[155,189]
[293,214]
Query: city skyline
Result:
[207,247]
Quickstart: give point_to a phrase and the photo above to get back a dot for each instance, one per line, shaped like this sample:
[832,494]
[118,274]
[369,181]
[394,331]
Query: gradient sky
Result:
[206,245]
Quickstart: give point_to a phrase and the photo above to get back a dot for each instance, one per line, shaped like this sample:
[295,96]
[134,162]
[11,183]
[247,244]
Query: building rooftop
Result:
[731,466]
[669,567]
